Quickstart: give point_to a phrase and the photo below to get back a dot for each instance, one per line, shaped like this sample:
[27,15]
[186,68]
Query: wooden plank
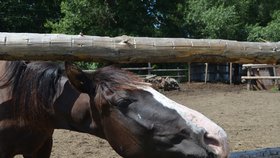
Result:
[126,49]
[154,70]
[138,68]
[176,70]
[250,65]
[177,76]
[255,66]
[259,77]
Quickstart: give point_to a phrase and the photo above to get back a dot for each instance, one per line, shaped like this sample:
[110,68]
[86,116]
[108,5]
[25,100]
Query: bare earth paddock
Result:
[251,119]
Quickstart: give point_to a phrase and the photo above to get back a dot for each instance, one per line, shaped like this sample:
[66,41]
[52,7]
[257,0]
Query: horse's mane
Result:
[34,86]
[13,72]
[115,78]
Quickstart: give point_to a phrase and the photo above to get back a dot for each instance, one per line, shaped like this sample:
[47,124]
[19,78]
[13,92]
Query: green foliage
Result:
[252,20]
[87,65]
[212,19]
[221,22]
[232,19]
[27,15]
[271,32]
[101,18]
[89,17]
[243,20]
[275,89]
[168,17]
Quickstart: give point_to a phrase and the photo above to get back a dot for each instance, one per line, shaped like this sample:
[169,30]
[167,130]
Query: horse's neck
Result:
[5,93]
[73,112]
[64,104]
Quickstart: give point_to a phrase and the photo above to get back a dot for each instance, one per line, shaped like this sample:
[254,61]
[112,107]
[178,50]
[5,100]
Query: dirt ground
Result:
[251,119]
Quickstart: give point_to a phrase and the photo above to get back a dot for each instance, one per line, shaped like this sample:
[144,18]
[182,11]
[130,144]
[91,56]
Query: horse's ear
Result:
[79,79]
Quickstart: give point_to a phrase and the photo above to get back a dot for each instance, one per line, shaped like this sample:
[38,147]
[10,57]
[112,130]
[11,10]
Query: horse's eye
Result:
[123,103]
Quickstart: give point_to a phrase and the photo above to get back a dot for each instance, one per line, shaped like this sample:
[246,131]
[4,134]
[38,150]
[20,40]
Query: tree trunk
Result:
[126,49]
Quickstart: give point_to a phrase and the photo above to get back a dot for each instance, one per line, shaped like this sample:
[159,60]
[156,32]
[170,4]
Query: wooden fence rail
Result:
[126,49]
[150,70]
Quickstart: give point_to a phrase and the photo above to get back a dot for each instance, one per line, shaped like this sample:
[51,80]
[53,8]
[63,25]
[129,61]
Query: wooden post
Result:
[230,73]
[248,81]
[275,74]
[189,72]
[206,73]
[179,79]
[149,68]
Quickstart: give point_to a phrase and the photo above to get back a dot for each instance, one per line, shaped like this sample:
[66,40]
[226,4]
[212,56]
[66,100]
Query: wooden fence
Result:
[194,72]
[181,74]
[254,75]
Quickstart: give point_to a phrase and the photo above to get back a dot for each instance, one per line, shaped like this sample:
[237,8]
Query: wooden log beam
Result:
[126,49]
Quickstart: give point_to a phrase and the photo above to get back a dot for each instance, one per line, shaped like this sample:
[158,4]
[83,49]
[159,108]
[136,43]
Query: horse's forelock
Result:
[111,79]
[116,78]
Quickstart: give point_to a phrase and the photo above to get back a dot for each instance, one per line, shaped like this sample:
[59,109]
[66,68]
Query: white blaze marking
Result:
[193,119]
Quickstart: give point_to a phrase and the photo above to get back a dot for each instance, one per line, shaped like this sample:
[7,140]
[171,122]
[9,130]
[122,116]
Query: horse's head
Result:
[140,122]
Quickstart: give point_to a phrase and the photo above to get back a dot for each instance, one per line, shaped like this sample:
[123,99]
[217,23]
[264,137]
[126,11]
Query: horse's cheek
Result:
[119,134]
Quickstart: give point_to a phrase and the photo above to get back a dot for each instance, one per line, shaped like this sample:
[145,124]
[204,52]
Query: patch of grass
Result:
[275,89]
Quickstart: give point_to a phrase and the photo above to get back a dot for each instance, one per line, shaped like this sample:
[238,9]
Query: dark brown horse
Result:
[136,120]
[139,122]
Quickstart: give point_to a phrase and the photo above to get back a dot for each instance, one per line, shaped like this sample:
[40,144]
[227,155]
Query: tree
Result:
[258,18]
[102,18]
[89,17]
[270,32]
[27,15]
[211,19]
[168,17]
[232,19]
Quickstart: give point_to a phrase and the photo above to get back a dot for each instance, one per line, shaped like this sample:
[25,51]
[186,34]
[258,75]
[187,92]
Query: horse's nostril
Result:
[216,144]
[210,141]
